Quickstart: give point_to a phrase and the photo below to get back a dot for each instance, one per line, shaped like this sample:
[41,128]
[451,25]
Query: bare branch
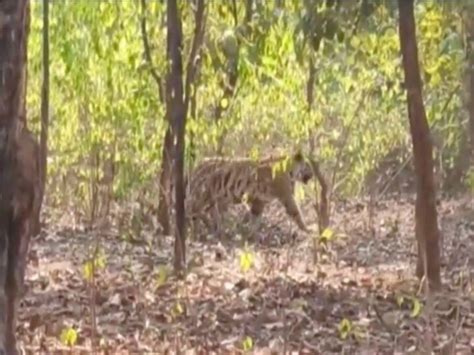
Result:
[194,57]
[146,47]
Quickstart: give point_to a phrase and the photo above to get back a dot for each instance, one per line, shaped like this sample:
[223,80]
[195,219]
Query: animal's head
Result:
[302,169]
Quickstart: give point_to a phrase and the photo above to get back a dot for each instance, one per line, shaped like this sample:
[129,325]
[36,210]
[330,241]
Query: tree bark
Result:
[177,116]
[426,229]
[177,102]
[164,202]
[19,167]
[44,112]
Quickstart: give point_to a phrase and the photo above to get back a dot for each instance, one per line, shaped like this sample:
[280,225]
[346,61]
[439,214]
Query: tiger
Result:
[217,183]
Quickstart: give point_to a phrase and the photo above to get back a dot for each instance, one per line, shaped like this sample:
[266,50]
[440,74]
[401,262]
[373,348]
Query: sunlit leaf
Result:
[345,328]
[246,261]
[416,309]
[247,344]
[326,236]
[68,336]
[400,299]
[162,275]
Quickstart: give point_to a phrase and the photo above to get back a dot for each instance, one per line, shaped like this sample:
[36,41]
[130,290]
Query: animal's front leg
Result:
[295,213]
[216,220]
[283,189]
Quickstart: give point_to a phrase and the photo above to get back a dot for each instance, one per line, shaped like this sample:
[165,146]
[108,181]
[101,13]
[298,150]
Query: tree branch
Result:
[146,47]
[194,57]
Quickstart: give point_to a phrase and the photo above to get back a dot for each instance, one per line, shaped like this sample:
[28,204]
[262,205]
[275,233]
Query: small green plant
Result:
[247,344]
[177,309]
[246,260]
[163,273]
[345,328]
[93,265]
[326,236]
[416,308]
[68,336]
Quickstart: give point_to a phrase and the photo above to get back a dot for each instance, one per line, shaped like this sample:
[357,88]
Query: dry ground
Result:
[285,302]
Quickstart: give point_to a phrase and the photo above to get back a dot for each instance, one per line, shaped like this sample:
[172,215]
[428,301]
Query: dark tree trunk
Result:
[164,202]
[426,229]
[177,102]
[44,112]
[177,116]
[19,160]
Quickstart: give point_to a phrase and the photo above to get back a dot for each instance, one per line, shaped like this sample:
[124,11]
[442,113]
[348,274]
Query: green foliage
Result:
[105,105]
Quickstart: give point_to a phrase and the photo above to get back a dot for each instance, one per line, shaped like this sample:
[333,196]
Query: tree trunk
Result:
[177,115]
[19,174]
[44,112]
[164,202]
[426,229]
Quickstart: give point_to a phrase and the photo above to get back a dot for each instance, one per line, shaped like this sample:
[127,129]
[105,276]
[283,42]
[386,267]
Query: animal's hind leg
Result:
[254,217]
[216,221]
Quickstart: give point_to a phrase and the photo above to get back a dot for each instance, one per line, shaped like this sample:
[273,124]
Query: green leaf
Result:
[247,344]
[224,103]
[88,270]
[345,328]
[68,337]
[299,192]
[162,275]
[177,310]
[400,299]
[417,307]
[326,236]
[246,261]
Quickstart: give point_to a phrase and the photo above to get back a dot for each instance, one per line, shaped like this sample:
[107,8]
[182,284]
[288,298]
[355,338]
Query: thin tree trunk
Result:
[321,203]
[19,175]
[178,98]
[164,202]
[164,199]
[44,111]
[426,229]
[177,116]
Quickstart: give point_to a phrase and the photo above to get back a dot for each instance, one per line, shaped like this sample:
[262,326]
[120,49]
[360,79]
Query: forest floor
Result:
[360,297]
